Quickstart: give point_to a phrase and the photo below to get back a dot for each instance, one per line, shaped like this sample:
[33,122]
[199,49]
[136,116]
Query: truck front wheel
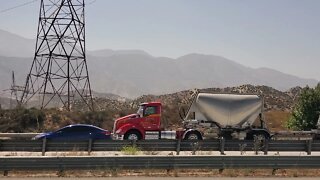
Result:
[193,135]
[132,135]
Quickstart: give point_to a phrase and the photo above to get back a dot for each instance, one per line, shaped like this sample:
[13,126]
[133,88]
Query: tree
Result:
[306,112]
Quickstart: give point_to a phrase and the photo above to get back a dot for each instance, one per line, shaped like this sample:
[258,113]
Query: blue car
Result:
[76,132]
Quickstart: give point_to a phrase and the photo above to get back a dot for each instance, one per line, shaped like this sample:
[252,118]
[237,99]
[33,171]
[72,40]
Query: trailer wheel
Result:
[261,136]
[132,135]
[193,135]
[259,139]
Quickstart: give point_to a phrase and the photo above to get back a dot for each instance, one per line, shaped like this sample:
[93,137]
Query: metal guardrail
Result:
[161,145]
[18,135]
[158,162]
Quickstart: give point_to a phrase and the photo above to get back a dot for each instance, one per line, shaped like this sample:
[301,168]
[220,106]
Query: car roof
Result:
[82,125]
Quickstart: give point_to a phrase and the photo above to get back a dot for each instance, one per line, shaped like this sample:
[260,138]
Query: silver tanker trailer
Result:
[234,116]
[229,116]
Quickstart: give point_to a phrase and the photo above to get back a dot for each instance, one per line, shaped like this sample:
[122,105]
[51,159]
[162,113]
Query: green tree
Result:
[306,112]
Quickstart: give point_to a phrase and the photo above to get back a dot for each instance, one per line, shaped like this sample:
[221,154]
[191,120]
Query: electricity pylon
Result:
[59,72]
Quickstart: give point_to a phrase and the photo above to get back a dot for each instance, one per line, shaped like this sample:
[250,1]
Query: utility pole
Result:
[14,91]
[59,72]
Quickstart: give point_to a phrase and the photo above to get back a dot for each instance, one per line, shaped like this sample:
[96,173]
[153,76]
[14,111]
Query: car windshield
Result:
[62,129]
[140,111]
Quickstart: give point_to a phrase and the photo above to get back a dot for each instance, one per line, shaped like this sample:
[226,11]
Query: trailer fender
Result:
[259,132]
[192,132]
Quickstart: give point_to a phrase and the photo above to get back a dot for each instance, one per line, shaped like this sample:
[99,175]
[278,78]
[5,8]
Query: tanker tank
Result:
[227,110]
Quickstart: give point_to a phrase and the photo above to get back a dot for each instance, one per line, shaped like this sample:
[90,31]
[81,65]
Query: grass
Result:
[276,119]
[130,150]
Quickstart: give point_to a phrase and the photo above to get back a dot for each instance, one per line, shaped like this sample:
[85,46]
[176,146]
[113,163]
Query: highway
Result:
[153,153]
[158,154]
[158,162]
[170,178]
[167,153]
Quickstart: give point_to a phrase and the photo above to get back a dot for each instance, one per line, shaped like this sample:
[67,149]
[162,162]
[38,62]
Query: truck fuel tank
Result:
[168,134]
[163,135]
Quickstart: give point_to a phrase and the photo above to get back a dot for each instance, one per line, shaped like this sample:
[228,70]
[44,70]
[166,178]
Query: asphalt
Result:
[171,178]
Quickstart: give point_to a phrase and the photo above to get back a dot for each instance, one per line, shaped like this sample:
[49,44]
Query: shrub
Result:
[130,150]
[306,112]
[21,120]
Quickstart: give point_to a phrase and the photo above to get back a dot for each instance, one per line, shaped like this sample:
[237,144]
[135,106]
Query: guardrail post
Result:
[222,144]
[44,143]
[178,146]
[309,146]
[89,146]
[134,142]
[266,147]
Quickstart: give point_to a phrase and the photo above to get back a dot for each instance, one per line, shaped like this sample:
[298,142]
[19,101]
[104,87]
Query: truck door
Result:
[151,120]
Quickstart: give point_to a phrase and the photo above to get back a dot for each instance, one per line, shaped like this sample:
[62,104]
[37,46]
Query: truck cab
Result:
[136,126]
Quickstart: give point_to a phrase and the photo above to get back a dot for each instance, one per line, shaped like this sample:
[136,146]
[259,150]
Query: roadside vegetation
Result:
[20,120]
[130,150]
[296,109]
[306,112]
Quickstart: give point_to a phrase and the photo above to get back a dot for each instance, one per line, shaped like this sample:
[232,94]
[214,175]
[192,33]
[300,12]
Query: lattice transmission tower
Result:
[59,73]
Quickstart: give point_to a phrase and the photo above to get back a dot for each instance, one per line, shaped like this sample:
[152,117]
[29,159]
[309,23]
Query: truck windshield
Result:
[140,111]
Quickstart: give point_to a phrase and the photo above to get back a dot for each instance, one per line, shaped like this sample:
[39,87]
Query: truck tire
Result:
[193,135]
[262,136]
[132,135]
[259,140]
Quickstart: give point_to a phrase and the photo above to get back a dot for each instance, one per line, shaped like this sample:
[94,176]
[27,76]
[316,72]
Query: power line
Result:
[30,2]
[93,1]
[17,6]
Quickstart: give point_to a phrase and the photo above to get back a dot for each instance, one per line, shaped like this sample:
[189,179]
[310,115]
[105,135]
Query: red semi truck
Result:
[209,116]
[145,124]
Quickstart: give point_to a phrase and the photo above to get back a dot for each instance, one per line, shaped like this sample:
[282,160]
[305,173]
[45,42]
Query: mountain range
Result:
[132,73]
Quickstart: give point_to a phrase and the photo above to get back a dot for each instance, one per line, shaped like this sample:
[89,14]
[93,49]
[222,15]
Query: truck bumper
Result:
[117,137]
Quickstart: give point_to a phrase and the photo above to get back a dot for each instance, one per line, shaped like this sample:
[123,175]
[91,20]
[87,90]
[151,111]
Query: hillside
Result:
[278,106]
[13,45]
[133,73]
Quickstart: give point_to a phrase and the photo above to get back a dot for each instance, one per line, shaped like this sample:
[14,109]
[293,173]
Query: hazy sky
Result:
[280,34]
